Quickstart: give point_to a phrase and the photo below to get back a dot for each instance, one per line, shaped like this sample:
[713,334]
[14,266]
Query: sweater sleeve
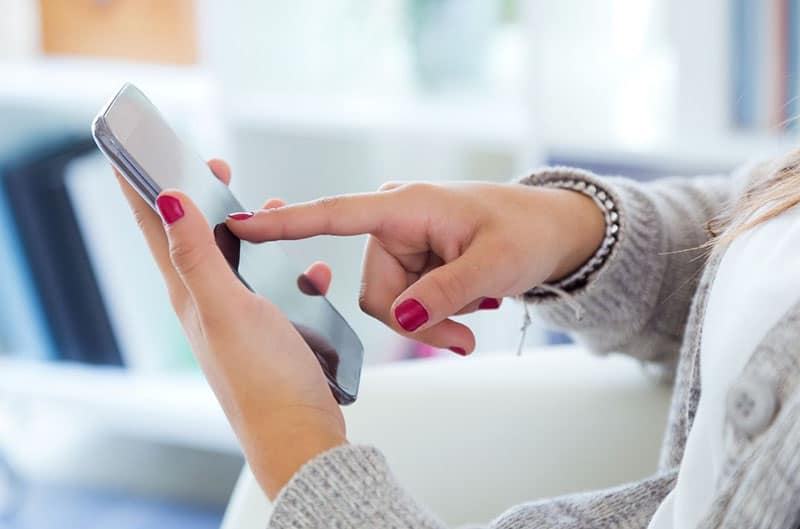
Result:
[638,301]
[351,487]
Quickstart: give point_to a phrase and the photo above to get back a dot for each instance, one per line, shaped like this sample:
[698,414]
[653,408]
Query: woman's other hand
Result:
[436,251]
[265,376]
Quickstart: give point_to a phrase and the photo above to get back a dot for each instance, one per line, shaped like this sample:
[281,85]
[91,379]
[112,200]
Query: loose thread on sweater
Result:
[523,331]
[568,298]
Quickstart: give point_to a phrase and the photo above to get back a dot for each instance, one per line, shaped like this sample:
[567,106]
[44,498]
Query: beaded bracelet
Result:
[579,278]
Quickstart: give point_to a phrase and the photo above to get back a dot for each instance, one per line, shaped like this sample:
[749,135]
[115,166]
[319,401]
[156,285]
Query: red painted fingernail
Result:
[170,208]
[489,304]
[241,215]
[411,315]
[458,351]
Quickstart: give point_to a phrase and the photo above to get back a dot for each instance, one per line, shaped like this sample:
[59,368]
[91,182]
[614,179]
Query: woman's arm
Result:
[439,250]
[269,383]
[638,301]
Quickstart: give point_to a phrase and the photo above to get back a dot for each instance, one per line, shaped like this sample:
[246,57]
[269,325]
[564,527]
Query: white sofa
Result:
[472,437]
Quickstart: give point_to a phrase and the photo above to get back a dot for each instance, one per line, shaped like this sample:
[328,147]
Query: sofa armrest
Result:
[472,437]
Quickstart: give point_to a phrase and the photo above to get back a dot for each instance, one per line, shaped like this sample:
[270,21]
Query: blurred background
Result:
[104,418]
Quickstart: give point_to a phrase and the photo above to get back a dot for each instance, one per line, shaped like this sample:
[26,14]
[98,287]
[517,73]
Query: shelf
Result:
[713,153]
[469,120]
[177,409]
[84,85]
[489,124]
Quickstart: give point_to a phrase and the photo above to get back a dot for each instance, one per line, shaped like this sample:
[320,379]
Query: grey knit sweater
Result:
[648,300]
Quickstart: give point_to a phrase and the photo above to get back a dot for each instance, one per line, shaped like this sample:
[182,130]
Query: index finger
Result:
[340,215]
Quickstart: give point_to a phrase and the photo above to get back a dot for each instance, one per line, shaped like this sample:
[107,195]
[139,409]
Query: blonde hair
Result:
[764,198]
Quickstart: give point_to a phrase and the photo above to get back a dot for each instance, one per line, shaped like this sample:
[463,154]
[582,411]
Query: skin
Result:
[448,246]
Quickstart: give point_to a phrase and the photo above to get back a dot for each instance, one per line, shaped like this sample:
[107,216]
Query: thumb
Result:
[441,292]
[193,252]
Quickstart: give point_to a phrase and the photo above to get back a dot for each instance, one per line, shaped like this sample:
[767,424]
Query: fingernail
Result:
[411,315]
[170,208]
[489,304]
[241,215]
[458,351]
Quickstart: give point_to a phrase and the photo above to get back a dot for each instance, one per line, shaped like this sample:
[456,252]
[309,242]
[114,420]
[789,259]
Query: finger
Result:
[342,215]
[151,226]
[315,280]
[449,334]
[481,304]
[195,256]
[244,215]
[273,203]
[221,170]
[320,275]
[443,291]
[383,278]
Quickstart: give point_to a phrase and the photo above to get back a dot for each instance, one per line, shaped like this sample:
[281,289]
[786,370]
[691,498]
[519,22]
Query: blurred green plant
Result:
[449,39]
[509,11]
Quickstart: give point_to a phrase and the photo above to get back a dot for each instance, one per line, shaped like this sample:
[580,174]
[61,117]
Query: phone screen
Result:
[132,133]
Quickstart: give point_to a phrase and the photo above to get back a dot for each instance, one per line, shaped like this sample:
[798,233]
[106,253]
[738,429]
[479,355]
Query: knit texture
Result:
[647,300]
[638,302]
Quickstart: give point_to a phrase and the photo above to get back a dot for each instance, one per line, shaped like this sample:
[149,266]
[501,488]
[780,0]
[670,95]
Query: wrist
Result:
[279,445]
[581,229]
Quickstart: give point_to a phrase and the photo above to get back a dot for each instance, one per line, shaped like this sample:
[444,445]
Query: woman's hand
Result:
[268,381]
[439,250]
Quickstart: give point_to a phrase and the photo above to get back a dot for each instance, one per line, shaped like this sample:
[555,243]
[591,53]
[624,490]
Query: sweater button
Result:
[751,405]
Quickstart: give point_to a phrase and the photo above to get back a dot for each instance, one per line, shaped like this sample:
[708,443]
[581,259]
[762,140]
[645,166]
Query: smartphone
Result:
[137,140]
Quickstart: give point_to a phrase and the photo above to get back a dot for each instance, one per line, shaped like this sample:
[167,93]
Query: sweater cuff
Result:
[348,486]
[629,279]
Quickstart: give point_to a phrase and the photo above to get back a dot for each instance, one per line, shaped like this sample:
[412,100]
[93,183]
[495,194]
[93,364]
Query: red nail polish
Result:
[170,208]
[458,351]
[489,304]
[411,315]
[241,215]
